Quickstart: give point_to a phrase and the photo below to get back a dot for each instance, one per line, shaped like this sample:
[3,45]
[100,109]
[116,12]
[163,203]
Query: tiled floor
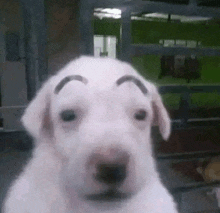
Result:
[12,162]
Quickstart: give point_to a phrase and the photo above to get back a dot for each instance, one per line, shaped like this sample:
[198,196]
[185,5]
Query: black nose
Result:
[111,174]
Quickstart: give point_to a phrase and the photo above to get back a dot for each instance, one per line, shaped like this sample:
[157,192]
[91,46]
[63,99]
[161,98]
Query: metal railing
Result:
[128,50]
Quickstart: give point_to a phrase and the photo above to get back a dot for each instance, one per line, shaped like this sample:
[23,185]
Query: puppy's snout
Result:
[111,173]
[110,166]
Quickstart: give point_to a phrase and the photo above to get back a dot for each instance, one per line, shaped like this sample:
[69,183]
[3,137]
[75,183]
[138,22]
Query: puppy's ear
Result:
[160,115]
[36,119]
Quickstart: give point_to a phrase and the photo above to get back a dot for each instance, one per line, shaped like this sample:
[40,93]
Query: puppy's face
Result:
[101,114]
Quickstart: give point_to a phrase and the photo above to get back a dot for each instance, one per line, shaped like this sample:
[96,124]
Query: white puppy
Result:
[92,128]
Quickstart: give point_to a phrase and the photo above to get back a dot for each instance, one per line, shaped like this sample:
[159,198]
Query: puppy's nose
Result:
[111,174]
[110,165]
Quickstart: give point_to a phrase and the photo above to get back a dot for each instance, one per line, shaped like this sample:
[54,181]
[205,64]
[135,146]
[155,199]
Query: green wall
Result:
[150,32]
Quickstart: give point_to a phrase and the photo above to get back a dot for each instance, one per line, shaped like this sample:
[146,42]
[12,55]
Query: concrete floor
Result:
[12,161]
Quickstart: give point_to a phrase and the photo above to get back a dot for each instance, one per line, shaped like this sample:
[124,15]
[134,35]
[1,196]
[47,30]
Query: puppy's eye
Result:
[140,115]
[68,115]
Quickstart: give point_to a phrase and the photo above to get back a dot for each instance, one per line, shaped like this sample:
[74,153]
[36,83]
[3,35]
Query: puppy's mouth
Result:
[109,196]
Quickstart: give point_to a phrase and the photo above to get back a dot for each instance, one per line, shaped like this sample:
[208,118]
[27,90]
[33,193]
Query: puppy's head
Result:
[97,113]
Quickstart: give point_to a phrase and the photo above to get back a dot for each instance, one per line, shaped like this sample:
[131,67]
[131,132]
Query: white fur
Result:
[57,177]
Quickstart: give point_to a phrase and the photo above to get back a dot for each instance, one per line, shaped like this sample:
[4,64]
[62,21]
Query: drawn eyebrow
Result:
[134,80]
[67,79]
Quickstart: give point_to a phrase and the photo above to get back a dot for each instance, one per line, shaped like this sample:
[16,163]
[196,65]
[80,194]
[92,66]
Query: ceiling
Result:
[115,13]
